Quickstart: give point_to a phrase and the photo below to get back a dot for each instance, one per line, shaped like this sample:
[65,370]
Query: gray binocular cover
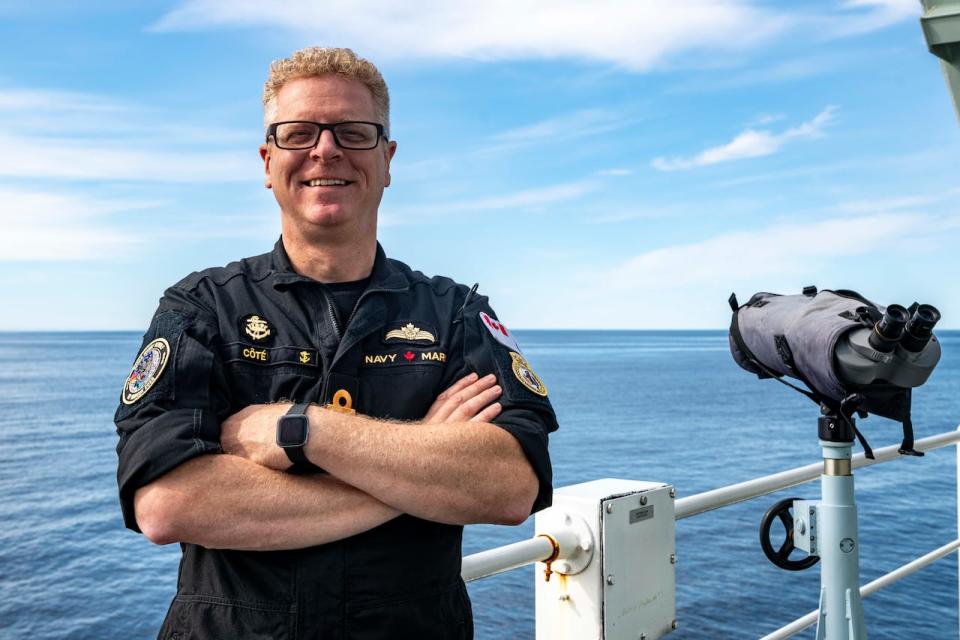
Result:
[824,340]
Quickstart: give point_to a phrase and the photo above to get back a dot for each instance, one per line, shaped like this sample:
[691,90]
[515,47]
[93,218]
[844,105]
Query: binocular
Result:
[899,327]
[899,349]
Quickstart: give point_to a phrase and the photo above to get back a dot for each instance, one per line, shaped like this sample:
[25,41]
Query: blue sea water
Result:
[659,406]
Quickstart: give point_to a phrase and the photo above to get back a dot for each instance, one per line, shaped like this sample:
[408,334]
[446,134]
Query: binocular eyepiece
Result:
[899,326]
[920,328]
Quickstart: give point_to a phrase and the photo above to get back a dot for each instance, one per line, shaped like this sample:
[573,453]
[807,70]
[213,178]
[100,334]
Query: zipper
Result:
[356,305]
[324,365]
[337,331]
[349,318]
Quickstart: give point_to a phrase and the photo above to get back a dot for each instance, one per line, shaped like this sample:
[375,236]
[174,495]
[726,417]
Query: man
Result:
[316,424]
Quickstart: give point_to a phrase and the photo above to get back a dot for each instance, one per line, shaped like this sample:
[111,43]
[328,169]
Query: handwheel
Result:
[781,557]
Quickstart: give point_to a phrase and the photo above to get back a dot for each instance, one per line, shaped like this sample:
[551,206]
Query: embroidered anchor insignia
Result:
[304,357]
[410,332]
[257,328]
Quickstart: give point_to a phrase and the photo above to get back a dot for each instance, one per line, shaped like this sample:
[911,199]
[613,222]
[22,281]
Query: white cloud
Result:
[83,160]
[774,251]
[55,102]
[863,16]
[886,205]
[767,118]
[632,213]
[562,128]
[41,226]
[751,143]
[78,136]
[615,172]
[686,285]
[530,197]
[527,200]
[77,227]
[638,35]
[635,35]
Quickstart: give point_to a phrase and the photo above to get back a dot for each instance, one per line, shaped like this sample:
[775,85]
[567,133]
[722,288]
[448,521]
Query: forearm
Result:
[227,502]
[458,473]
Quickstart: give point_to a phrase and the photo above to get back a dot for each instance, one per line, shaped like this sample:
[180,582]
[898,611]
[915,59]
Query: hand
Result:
[470,398]
[251,433]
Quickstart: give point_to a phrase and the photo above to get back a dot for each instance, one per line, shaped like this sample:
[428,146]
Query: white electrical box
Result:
[624,587]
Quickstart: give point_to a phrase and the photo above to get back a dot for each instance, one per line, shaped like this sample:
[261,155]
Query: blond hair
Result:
[318,61]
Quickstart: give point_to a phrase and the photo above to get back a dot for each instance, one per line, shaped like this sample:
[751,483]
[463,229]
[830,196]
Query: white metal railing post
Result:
[573,552]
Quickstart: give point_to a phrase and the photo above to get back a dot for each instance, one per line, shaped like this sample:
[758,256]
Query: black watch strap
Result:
[296,454]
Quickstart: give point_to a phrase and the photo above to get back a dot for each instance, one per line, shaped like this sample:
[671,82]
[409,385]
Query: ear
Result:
[388,153]
[265,156]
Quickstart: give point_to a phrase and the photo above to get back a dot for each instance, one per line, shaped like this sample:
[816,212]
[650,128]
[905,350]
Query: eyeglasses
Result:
[298,135]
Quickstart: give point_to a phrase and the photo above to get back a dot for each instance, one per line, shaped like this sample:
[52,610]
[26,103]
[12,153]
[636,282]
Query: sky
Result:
[613,164]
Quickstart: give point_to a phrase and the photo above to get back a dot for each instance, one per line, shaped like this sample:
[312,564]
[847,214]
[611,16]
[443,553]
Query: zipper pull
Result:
[466,301]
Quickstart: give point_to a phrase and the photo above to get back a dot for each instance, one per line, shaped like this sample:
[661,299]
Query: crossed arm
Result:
[453,466]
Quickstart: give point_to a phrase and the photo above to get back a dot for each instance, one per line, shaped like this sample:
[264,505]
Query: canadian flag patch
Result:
[499,332]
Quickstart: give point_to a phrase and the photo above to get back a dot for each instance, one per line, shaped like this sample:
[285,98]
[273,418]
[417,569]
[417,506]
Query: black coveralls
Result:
[401,579]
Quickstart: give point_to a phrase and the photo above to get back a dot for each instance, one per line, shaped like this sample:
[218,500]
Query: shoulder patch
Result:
[499,332]
[147,369]
[526,376]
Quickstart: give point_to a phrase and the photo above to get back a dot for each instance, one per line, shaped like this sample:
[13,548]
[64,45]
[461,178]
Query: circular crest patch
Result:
[146,370]
[526,376]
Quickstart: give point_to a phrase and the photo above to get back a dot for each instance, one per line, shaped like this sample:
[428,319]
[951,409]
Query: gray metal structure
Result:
[835,538]
[941,28]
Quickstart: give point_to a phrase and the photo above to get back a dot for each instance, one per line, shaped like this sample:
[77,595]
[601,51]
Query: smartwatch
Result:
[292,431]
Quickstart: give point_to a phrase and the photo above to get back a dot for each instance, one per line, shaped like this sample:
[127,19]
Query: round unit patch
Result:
[526,376]
[146,370]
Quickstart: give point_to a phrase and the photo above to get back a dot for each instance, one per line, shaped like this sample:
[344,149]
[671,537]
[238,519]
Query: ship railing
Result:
[562,543]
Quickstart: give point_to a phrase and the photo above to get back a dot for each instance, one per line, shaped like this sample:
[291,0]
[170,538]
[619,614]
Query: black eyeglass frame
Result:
[321,127]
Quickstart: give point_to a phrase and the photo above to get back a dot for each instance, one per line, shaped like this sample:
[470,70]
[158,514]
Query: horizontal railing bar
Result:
[500,559]
[810,619]
[911,567]
[731,494]
[516,555]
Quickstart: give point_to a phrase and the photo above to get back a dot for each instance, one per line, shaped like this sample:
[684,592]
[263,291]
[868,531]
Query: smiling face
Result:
[327,191]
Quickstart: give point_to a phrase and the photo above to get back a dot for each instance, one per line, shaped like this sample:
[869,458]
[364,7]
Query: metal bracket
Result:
[805,525]
[575,541]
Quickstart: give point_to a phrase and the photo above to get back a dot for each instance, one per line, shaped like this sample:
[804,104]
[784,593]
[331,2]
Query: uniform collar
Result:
[384,277]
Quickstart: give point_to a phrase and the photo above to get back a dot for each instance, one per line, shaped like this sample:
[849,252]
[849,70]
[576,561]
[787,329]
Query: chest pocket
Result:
[269,374]
[401,383]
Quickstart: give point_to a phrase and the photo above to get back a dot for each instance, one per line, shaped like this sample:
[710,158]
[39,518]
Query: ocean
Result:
[666,406]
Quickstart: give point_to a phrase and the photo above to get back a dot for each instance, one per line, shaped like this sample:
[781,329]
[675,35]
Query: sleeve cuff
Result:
[530,430]
[160,445]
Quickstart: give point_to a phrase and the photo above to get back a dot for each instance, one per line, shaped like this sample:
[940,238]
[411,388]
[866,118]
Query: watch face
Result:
[292,431]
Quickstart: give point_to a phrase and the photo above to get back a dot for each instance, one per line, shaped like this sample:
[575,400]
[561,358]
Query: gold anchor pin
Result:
[342,402]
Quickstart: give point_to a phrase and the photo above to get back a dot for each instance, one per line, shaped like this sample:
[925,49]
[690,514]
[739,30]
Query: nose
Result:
[326,148]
